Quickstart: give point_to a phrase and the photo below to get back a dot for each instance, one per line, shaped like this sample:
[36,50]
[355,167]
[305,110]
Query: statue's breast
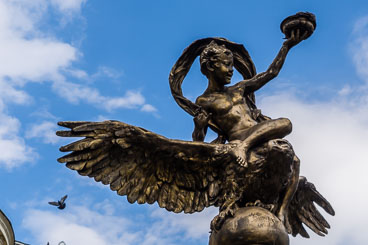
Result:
[237,97]
[218,104]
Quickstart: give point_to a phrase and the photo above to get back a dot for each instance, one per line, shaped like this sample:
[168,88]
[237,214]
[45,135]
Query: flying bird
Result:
[61,203]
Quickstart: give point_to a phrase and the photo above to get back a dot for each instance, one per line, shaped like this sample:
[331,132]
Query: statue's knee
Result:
[286,124]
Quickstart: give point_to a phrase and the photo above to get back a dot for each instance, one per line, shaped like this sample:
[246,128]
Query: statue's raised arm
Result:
[296,29]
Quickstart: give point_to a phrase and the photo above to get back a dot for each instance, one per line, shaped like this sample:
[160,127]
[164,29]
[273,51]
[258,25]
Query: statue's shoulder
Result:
[207,100]
[203,100]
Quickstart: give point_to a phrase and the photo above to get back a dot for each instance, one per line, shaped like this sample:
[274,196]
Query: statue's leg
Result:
[227,210]
[290,191]
[262,132]
[230,200]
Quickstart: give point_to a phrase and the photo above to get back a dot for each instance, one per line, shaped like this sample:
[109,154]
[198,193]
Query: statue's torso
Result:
[229,111]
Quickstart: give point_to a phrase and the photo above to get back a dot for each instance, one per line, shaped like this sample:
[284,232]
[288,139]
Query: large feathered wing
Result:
[146,167]
[303,211]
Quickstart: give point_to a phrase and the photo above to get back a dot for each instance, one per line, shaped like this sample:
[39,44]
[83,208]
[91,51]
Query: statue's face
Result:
[223,69]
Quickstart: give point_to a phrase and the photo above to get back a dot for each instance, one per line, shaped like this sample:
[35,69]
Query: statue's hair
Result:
[211,54]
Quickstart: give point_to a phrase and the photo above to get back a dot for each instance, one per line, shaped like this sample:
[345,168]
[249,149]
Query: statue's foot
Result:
[239,151]
[258,203]
[219,219]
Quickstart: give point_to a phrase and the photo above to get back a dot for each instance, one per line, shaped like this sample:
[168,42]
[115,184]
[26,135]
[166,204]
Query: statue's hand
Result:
[296,37]
[201,118]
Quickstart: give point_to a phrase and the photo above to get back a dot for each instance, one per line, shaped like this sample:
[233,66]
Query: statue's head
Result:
[217,60]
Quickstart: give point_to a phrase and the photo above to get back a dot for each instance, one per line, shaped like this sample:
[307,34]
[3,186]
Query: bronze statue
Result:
[249,171]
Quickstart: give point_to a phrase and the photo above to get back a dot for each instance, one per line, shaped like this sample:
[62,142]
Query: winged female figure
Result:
[249,164]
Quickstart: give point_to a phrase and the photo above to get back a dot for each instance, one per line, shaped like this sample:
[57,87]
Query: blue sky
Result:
[95,60]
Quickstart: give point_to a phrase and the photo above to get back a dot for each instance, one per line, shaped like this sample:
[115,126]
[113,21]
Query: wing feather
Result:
[124,189]
[76,165]
[116,184]
[303,211]
[302,231]
[85,172]
[153,197]
[310,224]
[63,198]
[146,167]
[319,217]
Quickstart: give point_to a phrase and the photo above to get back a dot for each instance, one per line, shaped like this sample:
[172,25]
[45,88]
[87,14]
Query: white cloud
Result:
[9,93]
[35,59]
[43,112]
[104,71]
[78,225]
[68,5]
[76,93]
[131,99]
[196,225]
[19,17]
[69,9]
[331,139]
[148,108]
[31,55]
[26,52]
[359,47]
[14,151]
[77,73]
[45,131]
[26,55]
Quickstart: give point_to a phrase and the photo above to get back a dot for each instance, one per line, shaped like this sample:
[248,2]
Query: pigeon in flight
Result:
[60,204]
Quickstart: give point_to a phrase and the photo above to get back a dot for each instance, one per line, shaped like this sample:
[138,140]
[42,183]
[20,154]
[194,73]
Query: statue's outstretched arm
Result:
[273,70]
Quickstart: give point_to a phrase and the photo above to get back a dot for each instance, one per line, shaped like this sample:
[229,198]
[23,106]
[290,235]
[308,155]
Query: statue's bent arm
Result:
[201,120]
[262,78]
[259,80]
[200,125]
